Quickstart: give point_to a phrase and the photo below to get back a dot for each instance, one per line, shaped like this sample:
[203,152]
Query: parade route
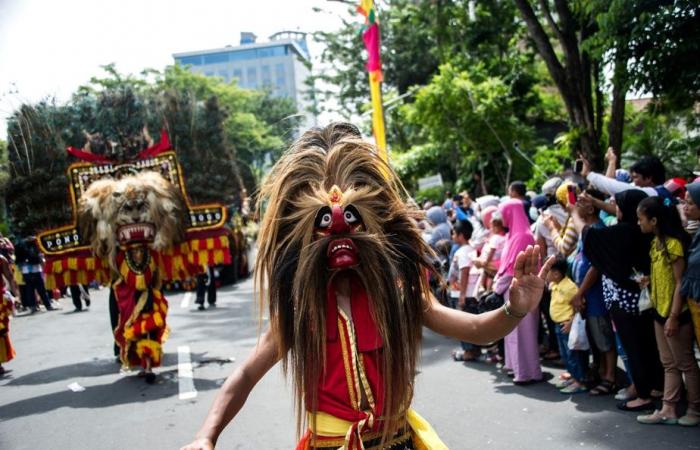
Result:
[65,391]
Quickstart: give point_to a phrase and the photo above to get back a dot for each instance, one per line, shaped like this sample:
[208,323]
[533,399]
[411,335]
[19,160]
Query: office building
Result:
[280,65]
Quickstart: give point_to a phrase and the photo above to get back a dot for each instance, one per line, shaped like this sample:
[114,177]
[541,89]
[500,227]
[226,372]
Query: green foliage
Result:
[36,195]
[435,55]
[4,167]
[434,194]
[659,39]
[669,136]
[550,161]
[465,119]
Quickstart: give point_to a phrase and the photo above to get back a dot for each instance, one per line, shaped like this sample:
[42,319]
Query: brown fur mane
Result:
[291,265]
[100,212]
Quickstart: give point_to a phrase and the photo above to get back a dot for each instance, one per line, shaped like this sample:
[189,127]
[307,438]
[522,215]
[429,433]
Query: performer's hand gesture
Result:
[526,288]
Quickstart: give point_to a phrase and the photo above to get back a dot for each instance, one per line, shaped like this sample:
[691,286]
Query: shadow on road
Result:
[94,368]
[125,390]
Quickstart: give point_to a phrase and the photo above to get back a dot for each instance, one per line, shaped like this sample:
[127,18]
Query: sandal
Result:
[605,387]
[572,389]
[656,418]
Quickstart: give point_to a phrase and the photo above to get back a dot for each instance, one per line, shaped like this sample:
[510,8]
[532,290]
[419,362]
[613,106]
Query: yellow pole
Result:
[378,116]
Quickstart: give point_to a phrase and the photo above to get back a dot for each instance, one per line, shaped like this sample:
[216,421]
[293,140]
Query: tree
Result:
[575,74]
[466,120]
[662,43]
[36,195]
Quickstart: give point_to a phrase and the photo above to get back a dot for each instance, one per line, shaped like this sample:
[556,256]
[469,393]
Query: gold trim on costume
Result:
[350,378]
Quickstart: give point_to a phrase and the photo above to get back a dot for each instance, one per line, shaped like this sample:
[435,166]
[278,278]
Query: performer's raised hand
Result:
[526,288]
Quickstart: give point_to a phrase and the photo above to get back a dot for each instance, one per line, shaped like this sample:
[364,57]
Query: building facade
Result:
[280,65]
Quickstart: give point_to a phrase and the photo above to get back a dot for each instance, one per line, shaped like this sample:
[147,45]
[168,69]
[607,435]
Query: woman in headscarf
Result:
[690,288]
[441,229]
[521,348]
[618,253]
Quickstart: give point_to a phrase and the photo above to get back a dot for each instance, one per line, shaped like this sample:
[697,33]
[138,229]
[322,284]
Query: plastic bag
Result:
[578,339]
[644,300]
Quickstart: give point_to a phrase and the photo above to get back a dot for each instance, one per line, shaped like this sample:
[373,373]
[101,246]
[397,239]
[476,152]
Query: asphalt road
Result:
[470,405]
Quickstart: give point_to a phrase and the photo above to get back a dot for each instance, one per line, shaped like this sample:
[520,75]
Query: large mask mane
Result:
[143,208]
[330,205]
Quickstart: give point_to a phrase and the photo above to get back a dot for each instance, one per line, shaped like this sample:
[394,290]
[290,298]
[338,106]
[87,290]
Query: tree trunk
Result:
[617,109]
[573,79]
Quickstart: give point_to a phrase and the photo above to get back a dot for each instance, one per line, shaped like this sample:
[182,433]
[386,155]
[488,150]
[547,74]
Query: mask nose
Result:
[338,221]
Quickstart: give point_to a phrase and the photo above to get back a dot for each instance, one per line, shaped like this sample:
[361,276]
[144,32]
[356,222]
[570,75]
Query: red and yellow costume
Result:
[351,389]
[6,350]
[142,310]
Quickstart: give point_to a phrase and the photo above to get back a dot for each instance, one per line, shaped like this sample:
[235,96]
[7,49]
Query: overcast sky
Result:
[50,47]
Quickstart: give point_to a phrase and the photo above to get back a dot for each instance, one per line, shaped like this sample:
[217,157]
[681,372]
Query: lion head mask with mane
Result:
[143,208]
[329,205]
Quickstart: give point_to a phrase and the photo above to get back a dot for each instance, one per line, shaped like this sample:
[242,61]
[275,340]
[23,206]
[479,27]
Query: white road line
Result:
[185,303]
[185,374]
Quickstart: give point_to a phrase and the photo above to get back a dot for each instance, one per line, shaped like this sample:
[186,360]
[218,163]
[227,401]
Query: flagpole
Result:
[378,116]
[370,36]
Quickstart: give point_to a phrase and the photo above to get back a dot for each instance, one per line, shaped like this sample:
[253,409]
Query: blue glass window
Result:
[216,58]
[265,74]
[280,76]
[242,55]
[252,77]
[190,60]
[238,74]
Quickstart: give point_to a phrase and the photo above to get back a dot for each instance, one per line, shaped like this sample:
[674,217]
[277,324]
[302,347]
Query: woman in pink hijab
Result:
[521,348]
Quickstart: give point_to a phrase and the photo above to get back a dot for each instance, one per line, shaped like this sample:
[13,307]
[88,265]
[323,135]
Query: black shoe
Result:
[77,310]
[150,377]
[201,308]
[212,305]
[644,407]
[527,382]
[87,302]
[50,308]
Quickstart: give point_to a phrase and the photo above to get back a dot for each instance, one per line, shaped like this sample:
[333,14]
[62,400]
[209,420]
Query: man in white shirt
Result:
[647,174]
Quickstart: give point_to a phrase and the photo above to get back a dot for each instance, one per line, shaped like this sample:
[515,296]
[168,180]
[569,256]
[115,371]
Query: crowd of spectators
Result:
[624,285]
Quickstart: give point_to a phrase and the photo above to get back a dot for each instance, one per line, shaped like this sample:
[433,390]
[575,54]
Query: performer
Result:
[6,307]
[130,222]
[345,270]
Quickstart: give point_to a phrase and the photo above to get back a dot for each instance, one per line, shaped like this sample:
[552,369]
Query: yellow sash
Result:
[424,436]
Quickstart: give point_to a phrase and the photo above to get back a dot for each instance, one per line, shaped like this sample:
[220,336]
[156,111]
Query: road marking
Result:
[185,303]
[185,374]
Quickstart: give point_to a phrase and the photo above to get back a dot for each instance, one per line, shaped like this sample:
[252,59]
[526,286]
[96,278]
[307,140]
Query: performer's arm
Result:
[234,392]
[525,294]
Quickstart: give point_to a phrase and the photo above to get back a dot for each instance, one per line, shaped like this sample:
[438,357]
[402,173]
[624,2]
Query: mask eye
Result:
[323,218]
[351,215]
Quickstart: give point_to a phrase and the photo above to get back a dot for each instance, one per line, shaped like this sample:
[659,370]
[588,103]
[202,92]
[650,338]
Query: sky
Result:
[50,47]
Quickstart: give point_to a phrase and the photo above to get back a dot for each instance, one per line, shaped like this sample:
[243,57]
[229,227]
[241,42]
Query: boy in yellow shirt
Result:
[563,290]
